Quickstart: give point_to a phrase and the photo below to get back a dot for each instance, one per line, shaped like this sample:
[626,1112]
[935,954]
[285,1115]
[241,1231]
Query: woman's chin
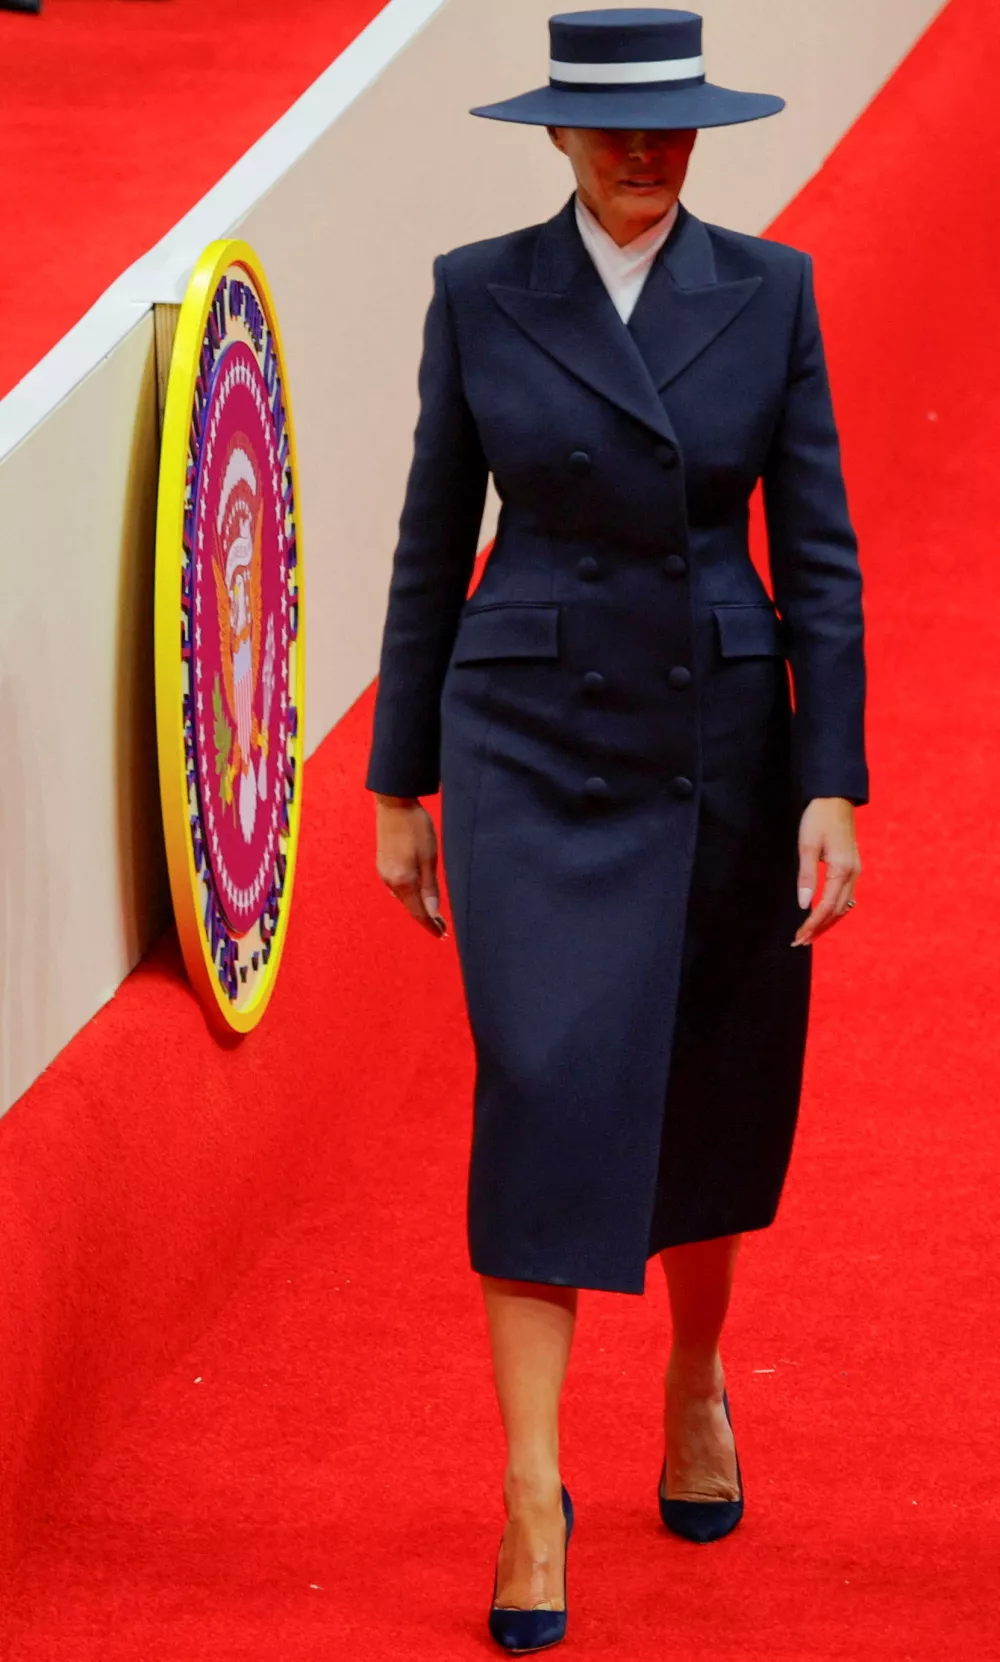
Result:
[641,209]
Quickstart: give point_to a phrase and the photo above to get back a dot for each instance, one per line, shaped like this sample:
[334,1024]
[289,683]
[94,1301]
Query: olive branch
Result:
[223,742]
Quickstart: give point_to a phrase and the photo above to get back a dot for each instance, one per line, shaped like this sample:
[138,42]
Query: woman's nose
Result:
[639,146]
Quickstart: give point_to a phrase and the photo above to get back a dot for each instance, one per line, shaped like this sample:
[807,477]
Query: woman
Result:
[632,816]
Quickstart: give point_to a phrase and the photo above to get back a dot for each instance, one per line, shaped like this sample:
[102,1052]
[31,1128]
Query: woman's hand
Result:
[406,857]
[826,832]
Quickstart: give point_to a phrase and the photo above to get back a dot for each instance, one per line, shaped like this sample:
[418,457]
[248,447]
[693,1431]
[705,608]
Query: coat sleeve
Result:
[815,572]
[432,566]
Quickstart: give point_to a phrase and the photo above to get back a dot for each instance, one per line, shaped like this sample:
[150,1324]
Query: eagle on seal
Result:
[237,566]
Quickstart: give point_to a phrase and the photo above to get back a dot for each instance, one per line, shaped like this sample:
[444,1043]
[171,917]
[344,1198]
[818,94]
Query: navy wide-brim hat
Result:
[630,68]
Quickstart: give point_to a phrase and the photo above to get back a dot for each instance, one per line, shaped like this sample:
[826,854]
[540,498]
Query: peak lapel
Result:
[683,307]
[569,314]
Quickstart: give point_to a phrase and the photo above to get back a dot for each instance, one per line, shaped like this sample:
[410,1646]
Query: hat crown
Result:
[641,34]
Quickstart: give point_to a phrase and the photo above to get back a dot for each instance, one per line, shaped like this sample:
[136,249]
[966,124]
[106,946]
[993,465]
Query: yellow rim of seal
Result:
[185,883]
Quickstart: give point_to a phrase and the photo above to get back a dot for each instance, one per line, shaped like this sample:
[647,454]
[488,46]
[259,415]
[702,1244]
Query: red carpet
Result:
[155,102]
[318,1477]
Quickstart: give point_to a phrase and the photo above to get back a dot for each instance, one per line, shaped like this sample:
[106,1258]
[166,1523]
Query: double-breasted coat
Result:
[609,718]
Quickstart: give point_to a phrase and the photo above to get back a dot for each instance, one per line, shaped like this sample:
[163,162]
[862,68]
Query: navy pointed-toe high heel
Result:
[702,1520]
[522,1631]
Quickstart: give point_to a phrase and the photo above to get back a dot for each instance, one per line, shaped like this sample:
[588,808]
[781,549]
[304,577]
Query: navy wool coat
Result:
[610,720]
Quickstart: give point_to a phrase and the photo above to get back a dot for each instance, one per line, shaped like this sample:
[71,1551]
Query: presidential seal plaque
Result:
[230,667]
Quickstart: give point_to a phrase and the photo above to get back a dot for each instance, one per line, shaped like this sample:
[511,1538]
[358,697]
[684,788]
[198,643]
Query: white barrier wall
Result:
[347,201]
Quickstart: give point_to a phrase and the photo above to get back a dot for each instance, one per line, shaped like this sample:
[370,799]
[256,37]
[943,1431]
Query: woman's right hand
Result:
[406,857]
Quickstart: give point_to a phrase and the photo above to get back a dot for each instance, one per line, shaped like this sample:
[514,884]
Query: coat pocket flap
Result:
[514,630]
[749,631]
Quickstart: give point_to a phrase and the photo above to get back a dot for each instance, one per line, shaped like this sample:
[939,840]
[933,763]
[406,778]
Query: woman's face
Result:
[628,180]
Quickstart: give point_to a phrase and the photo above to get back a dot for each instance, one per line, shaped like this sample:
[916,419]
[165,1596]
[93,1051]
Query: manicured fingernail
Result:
[430,905]
[805,895]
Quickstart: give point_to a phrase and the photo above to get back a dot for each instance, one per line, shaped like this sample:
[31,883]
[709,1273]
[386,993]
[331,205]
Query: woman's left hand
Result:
[827,834]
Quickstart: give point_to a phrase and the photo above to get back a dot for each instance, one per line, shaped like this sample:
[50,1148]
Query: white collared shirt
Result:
[623,270]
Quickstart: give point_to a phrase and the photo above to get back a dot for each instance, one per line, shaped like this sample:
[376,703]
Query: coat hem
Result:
[716,1235]
[610,1284]
[588,1283]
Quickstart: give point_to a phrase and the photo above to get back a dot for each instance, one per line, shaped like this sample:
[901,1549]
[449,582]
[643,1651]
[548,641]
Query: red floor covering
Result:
[317,1477]
[156,99]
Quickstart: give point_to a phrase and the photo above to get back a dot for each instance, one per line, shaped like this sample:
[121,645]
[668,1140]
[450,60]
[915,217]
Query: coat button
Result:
[679,677]
[594,681]
[681,786]
[675,565]
[588,568]
[596,787]
[666,455]
[580,462]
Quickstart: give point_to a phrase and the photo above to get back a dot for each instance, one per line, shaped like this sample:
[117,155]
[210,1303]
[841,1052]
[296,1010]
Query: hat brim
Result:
[656,109]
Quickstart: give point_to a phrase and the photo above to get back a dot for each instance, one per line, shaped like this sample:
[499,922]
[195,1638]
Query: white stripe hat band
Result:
[627,74]
[629,67]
